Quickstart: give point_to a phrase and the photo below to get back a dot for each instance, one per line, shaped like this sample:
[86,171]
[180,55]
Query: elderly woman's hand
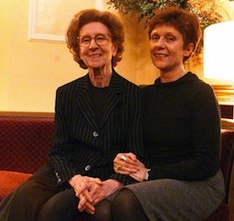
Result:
[84,203]
[82,186]
[98,193]
[109,186]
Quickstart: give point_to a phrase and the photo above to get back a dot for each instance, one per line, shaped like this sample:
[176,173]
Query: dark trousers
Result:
[38,201]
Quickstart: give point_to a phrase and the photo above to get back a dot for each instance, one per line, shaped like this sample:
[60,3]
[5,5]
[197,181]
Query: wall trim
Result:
[27,115]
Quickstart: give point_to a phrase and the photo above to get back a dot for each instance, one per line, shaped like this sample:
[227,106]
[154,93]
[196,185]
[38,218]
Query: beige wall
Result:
[30,71]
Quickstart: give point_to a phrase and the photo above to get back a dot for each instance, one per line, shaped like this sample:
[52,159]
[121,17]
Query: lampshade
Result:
[219,51]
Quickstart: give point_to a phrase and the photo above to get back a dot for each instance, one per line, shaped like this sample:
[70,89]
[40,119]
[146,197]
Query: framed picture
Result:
[231,3]
[48,20]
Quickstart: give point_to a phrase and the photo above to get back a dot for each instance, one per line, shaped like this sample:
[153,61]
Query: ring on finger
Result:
[124,158]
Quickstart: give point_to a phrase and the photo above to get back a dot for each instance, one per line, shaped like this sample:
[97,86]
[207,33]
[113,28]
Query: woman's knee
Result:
[126,206]
[125,197]
[62,206]
[102,211]
[49,212]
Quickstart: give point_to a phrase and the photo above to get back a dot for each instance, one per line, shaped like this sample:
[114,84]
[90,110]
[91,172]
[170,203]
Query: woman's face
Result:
[167,48]
[96,53]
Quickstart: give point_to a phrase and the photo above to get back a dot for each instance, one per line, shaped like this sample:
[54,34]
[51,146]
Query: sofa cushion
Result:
[24,144]
[10,180]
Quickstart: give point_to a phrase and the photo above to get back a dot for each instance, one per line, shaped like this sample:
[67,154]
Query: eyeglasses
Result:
[100,39]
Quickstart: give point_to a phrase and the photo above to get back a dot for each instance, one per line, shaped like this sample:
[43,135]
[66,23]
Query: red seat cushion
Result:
[9,180]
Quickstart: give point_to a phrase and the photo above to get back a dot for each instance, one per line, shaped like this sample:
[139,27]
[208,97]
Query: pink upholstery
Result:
[24,144]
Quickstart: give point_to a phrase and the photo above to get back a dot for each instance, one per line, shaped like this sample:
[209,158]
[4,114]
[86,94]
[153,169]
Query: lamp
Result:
[219,57]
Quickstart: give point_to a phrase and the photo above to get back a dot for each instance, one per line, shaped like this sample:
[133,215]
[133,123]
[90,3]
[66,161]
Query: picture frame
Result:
[231,3]
[48,20]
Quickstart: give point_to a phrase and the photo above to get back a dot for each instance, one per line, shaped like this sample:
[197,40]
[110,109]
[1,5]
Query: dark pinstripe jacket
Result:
[83,147]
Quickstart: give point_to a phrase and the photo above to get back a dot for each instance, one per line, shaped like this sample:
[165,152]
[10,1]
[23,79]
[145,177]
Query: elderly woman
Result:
[96,116]
[181,127]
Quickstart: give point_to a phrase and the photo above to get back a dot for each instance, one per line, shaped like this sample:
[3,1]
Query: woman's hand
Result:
[84,203]
[125,163]
[128,164]
[82,186]
[108,187]
[140,175]
[98,194]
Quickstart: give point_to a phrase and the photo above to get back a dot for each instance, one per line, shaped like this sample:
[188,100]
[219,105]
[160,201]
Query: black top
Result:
[181,129]
[98,96]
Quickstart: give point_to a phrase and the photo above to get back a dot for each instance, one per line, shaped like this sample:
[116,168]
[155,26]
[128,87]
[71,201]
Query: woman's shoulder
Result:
[198,89]
[84,81]
[198,83]
[120,81]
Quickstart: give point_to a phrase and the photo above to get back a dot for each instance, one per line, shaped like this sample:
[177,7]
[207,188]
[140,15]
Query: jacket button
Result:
[57,175]
[95,133]
[87,168]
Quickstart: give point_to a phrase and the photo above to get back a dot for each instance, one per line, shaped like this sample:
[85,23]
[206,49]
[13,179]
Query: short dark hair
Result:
[84,17]
[183,21]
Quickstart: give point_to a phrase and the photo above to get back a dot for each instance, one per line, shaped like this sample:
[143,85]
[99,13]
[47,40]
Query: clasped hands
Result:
[91,190]
[128,164]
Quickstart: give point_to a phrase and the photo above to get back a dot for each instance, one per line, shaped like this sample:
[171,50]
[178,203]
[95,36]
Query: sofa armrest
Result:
[9,180]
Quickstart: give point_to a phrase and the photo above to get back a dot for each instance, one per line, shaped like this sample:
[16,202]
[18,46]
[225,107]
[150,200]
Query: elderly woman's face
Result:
[96,47]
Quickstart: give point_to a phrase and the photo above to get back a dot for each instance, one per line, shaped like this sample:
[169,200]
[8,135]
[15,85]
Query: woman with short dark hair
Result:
[181,124]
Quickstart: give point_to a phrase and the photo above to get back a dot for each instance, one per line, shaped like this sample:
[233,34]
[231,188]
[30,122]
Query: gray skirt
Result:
[176,200]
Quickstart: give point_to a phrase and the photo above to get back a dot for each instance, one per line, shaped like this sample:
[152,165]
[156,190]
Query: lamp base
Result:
[225,97]
[224,93]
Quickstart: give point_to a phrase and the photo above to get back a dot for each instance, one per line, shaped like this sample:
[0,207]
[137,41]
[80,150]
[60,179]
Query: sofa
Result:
[24,144]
